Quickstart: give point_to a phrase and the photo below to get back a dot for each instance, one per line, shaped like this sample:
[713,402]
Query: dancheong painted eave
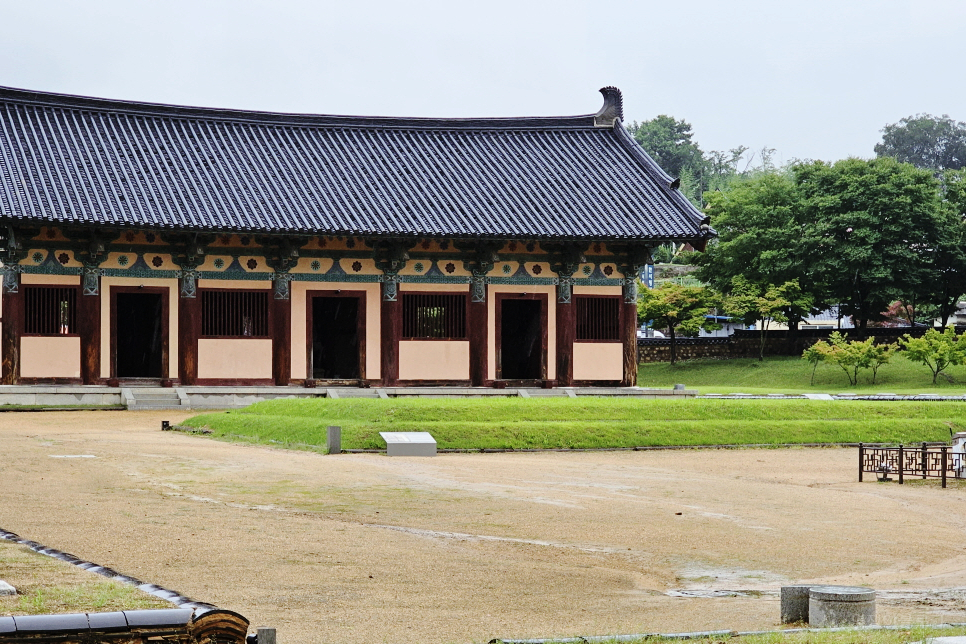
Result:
[77,161]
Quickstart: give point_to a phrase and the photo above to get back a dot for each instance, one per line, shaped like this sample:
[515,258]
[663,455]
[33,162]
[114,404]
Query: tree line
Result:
[876,237]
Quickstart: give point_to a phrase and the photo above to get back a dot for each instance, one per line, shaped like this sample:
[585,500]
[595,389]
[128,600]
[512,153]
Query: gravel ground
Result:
[468,547]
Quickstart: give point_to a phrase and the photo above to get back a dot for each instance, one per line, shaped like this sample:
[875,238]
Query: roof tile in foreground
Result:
[84,161]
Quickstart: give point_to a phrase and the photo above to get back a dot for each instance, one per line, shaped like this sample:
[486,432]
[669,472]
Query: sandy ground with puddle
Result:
[468,547]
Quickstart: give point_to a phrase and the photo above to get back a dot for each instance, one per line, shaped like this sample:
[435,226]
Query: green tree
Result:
[761,239]
[851,356]
[948,279]
[815,354]
[766,304]
[930,142]
[936,350]
[721,168]
[858,233]
[669,142]
[872,231]
[879,354]
[680,309]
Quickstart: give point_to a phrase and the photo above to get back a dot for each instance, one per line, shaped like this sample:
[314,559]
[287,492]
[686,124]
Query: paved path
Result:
[466,547]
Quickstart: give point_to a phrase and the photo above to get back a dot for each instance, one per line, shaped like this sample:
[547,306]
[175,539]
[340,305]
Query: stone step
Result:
[546,393]
[352,393]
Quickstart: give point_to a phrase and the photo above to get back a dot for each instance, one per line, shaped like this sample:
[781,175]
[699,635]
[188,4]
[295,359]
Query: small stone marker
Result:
[7,589]
[409,443]
[679,387]
[333,439]
[266,635]
[841,606]
[795,603]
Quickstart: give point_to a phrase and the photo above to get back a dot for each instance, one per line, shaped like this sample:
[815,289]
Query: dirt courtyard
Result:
[468,547]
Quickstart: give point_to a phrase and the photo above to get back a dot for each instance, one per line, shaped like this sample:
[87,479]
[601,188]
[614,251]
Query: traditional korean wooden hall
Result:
[185,246]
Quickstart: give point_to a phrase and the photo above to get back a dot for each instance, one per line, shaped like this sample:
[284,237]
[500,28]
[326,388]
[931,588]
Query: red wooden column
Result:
[89,325]
[629,332]
[282,330]
[189,328]
[12,326]
[478,330]
[390,330]
[566,331]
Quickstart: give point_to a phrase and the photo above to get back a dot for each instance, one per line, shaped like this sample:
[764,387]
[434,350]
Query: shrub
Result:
[850,355]
[936,350]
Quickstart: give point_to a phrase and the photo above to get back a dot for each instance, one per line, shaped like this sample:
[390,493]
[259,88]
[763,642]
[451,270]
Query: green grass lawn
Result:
[581,423]
[793,375]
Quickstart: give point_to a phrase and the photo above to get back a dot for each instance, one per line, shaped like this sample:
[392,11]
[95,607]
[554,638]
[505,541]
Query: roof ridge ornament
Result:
[613,108]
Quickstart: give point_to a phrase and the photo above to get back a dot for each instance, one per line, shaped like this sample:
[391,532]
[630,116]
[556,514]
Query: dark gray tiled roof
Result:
[88,161]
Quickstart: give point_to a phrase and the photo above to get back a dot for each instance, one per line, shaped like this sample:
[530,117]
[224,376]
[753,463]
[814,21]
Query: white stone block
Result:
[409,443]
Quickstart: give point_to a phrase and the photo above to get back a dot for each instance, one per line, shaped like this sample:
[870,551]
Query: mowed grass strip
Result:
[790,374]
[585,423]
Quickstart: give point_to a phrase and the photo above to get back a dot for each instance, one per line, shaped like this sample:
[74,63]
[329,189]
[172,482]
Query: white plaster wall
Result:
[56,280]
[241,285]
[235,358]
[434,360]
[598,290]
[598,361]
[50,356]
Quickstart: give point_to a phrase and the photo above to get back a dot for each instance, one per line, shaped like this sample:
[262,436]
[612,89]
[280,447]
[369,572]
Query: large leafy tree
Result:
[948,283]
[931,142]
[680,309]
[762,240]
[858,233]
[873,230]
[670,143]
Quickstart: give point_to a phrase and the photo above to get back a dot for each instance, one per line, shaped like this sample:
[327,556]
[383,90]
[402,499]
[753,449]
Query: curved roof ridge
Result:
[120,106]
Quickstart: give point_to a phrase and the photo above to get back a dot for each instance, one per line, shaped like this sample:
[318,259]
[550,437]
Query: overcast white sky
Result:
[811,78]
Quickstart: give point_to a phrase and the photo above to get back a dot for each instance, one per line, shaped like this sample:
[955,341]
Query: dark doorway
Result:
[521,339]
[139,328]
[335,338]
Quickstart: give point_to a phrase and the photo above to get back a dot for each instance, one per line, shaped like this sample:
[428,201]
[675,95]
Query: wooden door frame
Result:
[165,293]
[544,299]
[360,327]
